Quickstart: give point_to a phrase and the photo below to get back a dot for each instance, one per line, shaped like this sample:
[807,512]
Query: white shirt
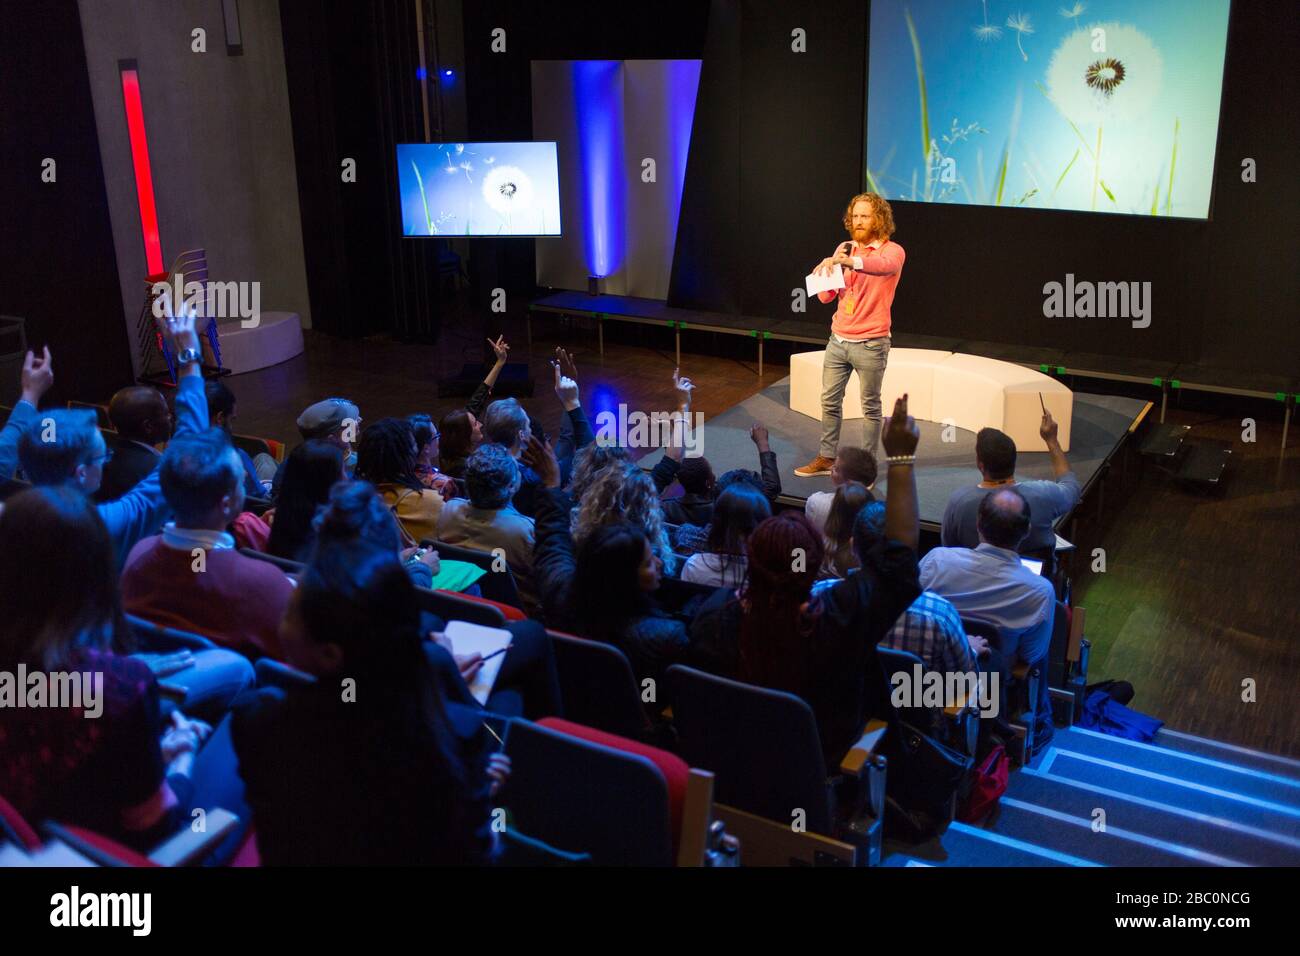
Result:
[187,539]
[715,570]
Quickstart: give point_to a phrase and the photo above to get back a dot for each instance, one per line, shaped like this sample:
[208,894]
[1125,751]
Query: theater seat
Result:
[509,612]
[674,768]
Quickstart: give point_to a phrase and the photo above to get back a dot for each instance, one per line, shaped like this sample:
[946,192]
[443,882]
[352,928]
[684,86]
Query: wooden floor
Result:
[1199,594]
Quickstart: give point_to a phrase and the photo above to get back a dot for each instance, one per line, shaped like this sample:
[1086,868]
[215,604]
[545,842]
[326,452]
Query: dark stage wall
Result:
[766,185]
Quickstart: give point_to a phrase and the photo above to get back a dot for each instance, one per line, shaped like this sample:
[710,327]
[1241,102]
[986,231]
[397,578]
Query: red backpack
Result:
[988,782]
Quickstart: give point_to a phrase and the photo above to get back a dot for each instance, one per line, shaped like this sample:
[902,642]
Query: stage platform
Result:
[1162,375]
[1102,423]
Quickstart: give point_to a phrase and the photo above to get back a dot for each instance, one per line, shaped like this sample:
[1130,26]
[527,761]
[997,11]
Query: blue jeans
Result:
[868,359]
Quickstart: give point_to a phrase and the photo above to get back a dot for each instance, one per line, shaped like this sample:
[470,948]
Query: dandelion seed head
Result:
[1020,23]
[508,189]
[1071,13]
[987,32]
[1120,86]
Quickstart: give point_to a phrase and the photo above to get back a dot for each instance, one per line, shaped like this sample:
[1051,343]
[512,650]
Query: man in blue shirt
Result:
[64,445]
[995,456]
[990,584]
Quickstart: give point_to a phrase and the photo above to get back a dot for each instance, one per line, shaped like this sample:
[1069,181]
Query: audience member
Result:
[427,447]
[487,521]
[995,456]
[737,512]
[775,632]
[259,472]
[310,471]
[851,464]
[334,420]
[527,682]
[65,446]
[191,577]
[989,583]
[127,772]
[37,377]
[848,499]
[365,765]
[624,492]
[602,587]
[386,458]
[142,420]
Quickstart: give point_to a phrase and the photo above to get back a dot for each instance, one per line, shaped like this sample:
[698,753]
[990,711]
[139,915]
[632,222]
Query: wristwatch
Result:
[186,356]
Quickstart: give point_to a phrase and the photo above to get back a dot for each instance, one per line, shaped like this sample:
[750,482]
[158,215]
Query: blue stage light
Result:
[598,105]
[421,73]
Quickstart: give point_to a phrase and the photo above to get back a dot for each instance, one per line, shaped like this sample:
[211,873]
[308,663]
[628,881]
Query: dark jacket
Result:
[664,474]
[688,509]
[131,463]
[845,684]
[652,640]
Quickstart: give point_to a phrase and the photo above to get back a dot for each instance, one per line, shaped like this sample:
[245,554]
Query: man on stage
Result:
[859,341]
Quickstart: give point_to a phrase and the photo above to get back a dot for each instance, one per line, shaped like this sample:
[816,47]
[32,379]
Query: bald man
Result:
[142,420]
[989,583]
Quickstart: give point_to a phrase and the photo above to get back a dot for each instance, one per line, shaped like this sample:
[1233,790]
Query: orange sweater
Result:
[863,312]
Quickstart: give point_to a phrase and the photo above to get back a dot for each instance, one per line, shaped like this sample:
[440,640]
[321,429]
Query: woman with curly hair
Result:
[623,492]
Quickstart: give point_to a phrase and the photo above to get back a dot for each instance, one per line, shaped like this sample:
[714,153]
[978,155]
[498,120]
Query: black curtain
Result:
[354,94]
[58,266]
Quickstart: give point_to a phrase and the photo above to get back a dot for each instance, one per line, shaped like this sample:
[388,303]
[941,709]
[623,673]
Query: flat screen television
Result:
[478,189]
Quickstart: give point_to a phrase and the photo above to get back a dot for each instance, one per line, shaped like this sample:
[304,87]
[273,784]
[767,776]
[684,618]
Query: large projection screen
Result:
[1105,105]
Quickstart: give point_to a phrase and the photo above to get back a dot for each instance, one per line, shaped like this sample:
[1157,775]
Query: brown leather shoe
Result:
[818,466]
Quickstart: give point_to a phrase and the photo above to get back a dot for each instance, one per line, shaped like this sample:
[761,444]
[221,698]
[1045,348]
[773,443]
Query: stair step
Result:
[1173,824]
[1213,772]
[963,845]
[1184,792]
[1228,753]
[1072,834]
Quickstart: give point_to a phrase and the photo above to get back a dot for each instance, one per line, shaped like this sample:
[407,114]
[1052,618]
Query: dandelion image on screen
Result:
[509,191]
[1103,74]
[1117,84]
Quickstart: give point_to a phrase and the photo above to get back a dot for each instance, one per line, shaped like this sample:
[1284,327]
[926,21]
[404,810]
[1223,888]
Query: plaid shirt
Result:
[931,629]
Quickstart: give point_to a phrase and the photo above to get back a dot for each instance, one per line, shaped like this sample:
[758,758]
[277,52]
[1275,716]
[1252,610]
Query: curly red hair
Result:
[879,207]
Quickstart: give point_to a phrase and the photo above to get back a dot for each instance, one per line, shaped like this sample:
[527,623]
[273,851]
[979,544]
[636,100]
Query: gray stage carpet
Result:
[1100,421]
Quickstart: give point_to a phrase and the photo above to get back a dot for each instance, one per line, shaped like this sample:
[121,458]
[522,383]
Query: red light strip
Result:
[143,176]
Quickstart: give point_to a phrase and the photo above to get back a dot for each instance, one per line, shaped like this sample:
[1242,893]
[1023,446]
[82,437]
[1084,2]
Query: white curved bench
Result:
[276,338]
[968,391]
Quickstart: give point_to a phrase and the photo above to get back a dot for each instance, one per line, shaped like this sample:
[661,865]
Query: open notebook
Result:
[469,638]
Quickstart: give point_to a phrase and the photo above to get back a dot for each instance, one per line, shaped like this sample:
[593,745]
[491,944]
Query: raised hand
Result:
[565,358]
[38,376]
[758,435]
[540,457]
[501,347]
[566,389]
[900,433]
[684,387]
[1048,428]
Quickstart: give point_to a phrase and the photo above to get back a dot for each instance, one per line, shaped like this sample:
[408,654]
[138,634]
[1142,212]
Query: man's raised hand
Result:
[901,434]
[38,376]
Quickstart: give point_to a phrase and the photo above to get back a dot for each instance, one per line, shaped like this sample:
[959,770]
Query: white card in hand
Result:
[815,283]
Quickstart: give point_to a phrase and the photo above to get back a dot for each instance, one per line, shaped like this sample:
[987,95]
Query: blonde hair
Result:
[879,207]
[622,491]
